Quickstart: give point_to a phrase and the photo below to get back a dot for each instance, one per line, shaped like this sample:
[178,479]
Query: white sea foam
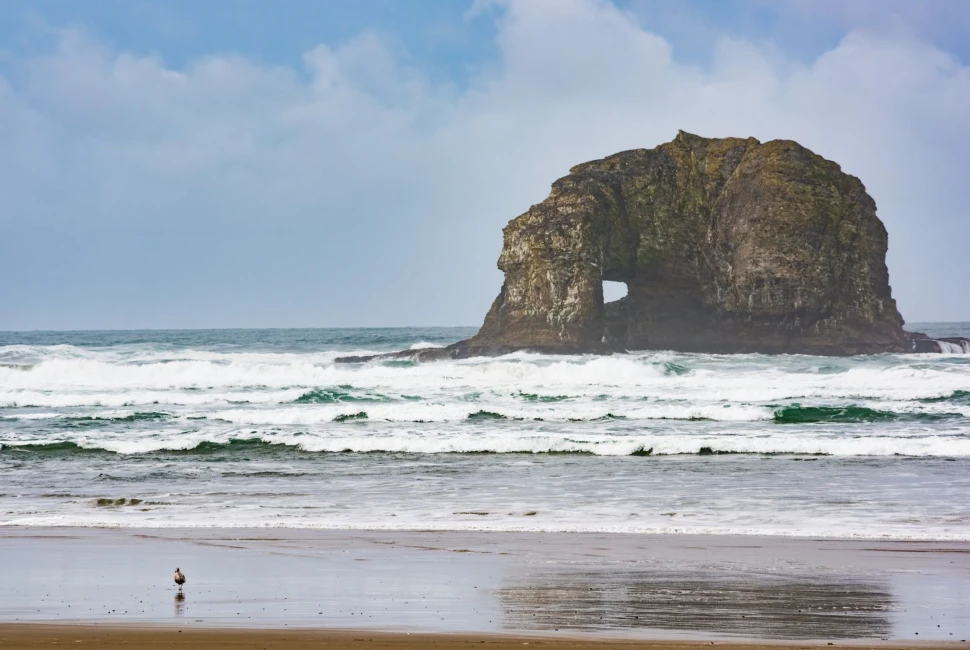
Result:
[424,345]
[380,523]
[459,411]
[705,378]
[433,441]
[262,391]
[954,347]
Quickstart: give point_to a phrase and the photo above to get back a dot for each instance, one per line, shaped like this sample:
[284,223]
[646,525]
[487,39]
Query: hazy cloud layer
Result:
[355,191]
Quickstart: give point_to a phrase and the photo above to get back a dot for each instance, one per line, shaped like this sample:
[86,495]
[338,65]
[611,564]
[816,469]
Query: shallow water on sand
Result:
[639,586]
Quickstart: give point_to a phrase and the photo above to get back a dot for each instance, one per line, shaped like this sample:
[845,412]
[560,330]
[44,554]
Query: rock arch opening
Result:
[613,291]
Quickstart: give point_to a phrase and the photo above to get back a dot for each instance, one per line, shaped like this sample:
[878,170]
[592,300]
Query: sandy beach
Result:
[556,589]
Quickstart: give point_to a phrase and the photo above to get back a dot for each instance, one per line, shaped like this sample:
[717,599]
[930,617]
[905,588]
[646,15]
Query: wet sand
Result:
[48,636]
[245,586]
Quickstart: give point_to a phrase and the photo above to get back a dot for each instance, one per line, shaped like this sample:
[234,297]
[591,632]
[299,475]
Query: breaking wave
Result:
[954,347]
[796,414]
[429,444]
[339,395]
[76,378]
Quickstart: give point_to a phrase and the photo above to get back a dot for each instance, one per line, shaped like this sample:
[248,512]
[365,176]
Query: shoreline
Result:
[682,589]
[481,530]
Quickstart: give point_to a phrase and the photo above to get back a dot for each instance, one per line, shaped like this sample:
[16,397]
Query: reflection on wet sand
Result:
[763,605]
[179,604]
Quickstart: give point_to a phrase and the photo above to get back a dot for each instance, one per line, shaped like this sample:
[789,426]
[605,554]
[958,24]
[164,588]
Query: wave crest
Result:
[642,446]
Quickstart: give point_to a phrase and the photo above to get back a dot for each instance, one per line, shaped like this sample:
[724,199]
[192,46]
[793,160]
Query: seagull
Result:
[179,579]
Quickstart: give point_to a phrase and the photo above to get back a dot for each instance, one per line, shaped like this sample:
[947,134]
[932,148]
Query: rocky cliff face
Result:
[726,245]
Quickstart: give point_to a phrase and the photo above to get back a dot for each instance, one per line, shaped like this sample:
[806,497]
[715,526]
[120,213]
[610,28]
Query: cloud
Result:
[354,190]
[941,19]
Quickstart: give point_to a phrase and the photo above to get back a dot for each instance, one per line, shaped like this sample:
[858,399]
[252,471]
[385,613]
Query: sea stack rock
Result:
[726,245]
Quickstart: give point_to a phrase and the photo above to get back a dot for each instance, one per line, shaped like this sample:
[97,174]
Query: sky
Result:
[183,164]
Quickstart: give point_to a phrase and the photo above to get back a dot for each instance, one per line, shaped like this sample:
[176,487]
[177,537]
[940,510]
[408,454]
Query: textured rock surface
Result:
[726,245]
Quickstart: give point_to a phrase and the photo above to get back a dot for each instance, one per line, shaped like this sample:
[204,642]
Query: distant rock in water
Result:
[725,245]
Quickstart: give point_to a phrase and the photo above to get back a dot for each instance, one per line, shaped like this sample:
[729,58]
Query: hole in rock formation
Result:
[614,290]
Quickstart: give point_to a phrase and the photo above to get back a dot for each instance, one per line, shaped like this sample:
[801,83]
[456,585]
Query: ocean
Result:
[260,428]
